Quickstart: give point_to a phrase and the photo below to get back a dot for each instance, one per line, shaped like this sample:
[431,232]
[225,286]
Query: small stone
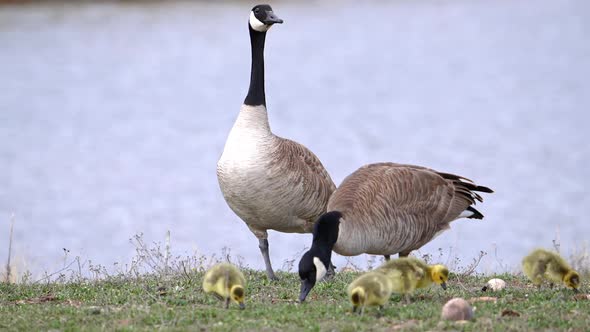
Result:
[457,309]
[495,285]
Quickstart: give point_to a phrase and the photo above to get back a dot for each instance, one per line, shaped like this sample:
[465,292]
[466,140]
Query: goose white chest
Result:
[247,149]
[248,181]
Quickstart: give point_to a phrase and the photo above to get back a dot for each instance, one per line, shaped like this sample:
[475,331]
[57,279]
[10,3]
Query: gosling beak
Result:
[306,286]
[444,285]
[242,306]
[271,18]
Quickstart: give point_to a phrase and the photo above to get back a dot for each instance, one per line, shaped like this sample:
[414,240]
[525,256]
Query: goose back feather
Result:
[391,208]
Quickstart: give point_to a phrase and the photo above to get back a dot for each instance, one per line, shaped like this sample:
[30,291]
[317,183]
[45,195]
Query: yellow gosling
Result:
[370,289]
[409,273]
[227,283]
[542,265]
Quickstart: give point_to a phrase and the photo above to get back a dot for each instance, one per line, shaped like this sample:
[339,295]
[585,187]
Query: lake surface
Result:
[113,117]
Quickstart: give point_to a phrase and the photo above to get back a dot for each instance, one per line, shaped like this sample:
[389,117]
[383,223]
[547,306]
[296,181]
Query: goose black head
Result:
[262,18]
[315,262]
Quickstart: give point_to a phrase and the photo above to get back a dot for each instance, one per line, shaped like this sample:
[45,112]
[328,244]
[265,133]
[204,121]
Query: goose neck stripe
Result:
[256,95]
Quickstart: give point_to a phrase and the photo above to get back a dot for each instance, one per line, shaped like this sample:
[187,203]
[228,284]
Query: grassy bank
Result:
[176,302]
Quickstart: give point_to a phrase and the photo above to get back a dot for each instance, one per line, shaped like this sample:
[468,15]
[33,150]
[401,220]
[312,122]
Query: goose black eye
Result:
[256,11]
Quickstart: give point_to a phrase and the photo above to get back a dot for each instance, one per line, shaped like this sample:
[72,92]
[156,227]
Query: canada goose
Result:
[316,261]
[226,282]
[371,288]
[408,273]
[542,264]
[390,208]
[268,181]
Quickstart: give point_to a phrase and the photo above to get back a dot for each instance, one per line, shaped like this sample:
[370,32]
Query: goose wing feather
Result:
[310,185]
[399,206]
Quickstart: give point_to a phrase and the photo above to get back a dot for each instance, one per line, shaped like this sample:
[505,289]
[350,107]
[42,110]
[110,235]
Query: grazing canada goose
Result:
[408,273]
[316,261]
[268,181]
[371,288]
[390,208]
[542,264]
[227,283]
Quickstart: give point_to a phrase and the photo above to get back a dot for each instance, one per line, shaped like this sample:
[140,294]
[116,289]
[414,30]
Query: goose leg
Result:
[387,257]
[404,254]
[263,245]
[380,312]
[331,272]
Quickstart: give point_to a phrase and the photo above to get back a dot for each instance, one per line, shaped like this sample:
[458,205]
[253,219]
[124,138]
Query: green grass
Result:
[177,302]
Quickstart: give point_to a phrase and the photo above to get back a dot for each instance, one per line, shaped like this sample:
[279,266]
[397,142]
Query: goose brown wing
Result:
[303,171]
[389,192]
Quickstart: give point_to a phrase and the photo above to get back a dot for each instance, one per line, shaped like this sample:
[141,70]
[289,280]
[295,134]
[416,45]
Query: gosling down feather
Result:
[543,264]
[270,182]
[409,273]
[370,289]
[227,283]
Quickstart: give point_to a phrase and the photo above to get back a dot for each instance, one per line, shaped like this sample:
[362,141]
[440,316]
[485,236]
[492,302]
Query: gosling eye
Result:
[441,278]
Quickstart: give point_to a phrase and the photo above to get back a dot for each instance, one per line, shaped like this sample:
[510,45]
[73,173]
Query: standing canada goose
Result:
[542,264]
[316,261]
[371,288]
[388,208]
[268,181]
[227,283]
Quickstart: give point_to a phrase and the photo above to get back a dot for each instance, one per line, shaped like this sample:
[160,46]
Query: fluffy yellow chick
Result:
[370,289]
[227,283]
[542,264]
[408,273]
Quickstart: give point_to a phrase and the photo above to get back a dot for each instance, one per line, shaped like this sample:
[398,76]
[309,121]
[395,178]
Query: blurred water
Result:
[113,116]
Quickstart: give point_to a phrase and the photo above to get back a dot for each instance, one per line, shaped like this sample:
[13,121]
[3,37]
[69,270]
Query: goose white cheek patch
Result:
[257,25]
[320,269]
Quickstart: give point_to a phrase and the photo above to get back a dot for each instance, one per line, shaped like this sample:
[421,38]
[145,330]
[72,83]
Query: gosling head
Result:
[357,297]
[237,295]
[440,274]
[572,280]
[262,18]
[315,262]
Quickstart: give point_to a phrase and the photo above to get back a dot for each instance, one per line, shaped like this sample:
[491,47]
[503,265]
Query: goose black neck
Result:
[256,94]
